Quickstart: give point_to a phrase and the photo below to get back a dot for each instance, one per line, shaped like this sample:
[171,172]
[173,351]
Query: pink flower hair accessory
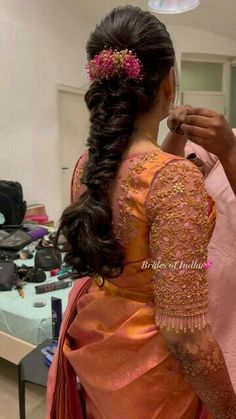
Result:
[109,63]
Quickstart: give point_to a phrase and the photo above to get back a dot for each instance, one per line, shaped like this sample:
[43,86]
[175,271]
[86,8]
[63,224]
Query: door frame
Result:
[211,58]
[67,89]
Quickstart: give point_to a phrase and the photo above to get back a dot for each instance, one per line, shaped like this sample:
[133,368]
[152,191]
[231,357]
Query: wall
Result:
[42,43]
[189,40]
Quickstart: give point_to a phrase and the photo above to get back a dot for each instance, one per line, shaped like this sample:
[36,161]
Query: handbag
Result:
[48,258]
[12,204]
[15,241]
[30,274]
[7,276]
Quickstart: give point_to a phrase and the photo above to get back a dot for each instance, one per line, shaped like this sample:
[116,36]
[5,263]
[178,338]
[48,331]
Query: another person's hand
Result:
[177,118]
[210,130]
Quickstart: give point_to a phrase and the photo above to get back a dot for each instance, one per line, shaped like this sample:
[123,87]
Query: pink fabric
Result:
[222,252]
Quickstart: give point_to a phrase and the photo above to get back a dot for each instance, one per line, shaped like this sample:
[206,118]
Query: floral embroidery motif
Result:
[178,187]
[177,208]
[127,226]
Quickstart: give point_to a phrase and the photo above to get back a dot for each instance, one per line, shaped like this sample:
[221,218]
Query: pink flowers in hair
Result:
[109,63]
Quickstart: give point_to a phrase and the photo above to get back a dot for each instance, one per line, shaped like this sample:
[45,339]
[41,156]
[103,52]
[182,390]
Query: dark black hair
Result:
[114,105]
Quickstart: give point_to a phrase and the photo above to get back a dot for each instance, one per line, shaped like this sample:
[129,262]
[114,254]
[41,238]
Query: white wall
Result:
[189,40]
[42,43]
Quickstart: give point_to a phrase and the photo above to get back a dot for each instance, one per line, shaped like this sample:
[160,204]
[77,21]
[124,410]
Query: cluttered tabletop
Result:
[31,273]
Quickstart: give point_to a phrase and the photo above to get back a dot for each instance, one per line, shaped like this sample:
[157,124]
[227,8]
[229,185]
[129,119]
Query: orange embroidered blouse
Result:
[164,219]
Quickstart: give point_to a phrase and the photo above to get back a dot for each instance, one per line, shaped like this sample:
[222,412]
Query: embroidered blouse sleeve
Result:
[177,208]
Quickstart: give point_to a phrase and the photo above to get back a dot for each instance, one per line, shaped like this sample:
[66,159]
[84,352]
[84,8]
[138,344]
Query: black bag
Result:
[12,205]
[15,241]
[48,258]
[7,276]
[30,274]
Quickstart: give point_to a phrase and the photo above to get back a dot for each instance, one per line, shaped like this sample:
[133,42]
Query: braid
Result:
[114,105]
[112,123]
[112,117]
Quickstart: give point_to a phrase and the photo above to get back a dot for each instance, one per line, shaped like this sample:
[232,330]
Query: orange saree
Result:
[110,336]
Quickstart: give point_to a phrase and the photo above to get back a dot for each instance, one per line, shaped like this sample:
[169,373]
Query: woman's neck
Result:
[144,137]
[140,144]
[148,125]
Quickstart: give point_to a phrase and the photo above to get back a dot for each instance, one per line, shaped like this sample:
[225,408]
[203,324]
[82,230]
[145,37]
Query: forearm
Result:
[203,365]
[229,164]
[174,144]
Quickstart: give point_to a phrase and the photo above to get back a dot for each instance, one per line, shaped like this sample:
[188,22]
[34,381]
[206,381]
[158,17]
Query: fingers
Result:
[202,111]
[199,121]
[183,118]
[193,131]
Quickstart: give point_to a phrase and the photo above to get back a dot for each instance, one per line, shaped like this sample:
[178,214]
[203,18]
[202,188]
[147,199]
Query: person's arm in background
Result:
[177,209]
[174,144]
[175,141]
[180,146]
[207,129]
[210,130]
[228,162]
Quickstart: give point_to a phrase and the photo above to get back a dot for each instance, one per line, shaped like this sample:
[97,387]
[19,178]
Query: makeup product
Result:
[64,276]
[49,352]
[37,233]
[39,303]
[54,272]
[56,307]
[53,286]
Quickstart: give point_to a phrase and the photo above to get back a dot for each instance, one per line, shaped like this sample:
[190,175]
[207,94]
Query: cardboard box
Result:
[36,209]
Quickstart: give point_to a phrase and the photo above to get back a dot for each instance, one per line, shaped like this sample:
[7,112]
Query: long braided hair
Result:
[114,105]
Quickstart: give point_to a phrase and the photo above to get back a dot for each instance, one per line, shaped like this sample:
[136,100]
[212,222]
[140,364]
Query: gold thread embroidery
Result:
[177,208]
[127,225]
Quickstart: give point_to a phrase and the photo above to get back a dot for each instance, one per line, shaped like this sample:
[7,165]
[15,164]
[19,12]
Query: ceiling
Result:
[217,16]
